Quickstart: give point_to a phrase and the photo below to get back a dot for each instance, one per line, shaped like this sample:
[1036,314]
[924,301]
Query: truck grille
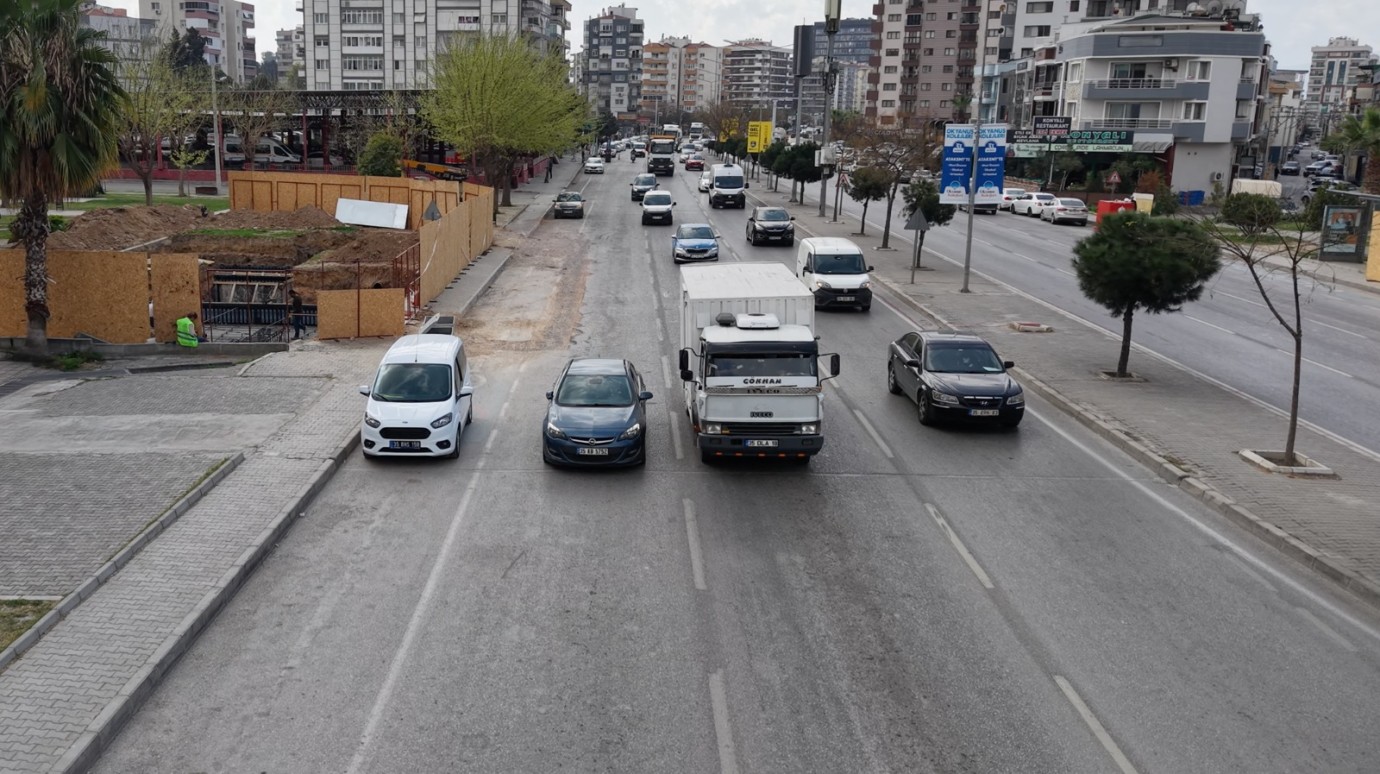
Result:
[760,428]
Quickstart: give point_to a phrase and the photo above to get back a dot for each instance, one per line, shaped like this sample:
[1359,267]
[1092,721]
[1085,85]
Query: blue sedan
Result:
[695,242]
[596,416]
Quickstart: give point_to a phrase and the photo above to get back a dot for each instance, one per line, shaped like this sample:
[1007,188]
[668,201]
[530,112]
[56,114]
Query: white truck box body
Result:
[740,288]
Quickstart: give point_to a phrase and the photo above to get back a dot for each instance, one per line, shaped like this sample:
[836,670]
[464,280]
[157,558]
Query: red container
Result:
[1108,206]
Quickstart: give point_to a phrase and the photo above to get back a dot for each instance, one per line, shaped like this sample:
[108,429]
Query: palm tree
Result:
[1362,133]
[63,106]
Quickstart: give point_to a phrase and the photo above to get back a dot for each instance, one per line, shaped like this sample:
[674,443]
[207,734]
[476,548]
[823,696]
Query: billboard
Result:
[960,142]
[991,163]
[1052,126]
[1077,140]
[1344,231]
[803,54]
[759,136]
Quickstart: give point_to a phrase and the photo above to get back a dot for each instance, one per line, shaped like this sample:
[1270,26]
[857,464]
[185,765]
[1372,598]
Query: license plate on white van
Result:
[404,444]
[847,298]
[761,444]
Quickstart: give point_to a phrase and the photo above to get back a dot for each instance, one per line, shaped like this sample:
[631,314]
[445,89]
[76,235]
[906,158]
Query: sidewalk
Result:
[1187,430]
[72,681]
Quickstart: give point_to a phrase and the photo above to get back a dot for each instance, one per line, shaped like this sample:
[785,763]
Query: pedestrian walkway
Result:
[1187,429]
[73,687]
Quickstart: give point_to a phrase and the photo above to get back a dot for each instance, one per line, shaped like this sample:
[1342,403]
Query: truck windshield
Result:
[728,181]
[776,364]
[663,146]
[849,263]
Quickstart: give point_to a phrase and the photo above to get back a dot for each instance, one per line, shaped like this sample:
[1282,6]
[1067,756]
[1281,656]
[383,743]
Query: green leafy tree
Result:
[183,158]
[186,51]
[923,195]
[1317,206]
[61,104]
[382,156]
[769,156]
[867,185]
[164,104]
[1066,164]
[1249,229]
[1362,133]
[1166,203]
[499,99]
[1137,261]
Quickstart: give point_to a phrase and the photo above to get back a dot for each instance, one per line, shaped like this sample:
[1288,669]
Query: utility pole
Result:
[220,138]
[833,11]
[972,173]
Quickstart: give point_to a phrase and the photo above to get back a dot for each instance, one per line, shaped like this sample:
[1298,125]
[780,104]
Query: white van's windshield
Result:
[728,181]
[412,383]
[849,263]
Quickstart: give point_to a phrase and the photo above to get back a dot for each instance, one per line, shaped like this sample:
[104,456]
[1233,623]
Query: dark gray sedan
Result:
[954,377]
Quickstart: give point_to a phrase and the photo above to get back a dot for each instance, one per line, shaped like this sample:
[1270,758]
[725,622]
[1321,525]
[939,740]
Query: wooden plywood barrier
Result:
[174,282]
[347,314]
[445,249]
[481,197]
[14,321]
[288,191]
[1373,250]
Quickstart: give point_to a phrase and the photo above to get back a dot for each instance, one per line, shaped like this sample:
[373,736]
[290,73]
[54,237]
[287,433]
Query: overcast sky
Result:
[1293,26]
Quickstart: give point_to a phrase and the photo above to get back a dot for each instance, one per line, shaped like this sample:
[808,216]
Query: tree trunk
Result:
[1125,359]
[1289,458]
[147,177]
[182,181]
[506,181]
[886,225]
[1370,182]
[862,222]
[31,229]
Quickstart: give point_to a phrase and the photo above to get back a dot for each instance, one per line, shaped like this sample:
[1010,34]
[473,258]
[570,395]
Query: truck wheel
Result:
[891,385]
[923,410]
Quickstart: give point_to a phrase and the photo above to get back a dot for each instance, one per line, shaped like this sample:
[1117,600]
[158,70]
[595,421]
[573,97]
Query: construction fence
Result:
[289,191]
[110,296]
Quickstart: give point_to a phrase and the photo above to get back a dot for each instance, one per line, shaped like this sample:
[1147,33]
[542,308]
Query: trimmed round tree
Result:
[1138,261]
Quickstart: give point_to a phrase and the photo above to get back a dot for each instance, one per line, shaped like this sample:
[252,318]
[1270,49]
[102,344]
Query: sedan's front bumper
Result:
[1006,414]
[560,451]
[787,235]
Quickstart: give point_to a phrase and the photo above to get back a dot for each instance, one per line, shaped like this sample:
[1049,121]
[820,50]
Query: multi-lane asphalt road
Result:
[1229,335]
[915,600]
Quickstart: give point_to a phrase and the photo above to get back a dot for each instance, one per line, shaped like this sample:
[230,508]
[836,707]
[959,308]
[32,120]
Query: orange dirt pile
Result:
[117,228]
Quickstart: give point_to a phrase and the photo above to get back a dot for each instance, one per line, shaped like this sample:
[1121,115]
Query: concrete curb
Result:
[1106,428]
[85,751]
[121,558]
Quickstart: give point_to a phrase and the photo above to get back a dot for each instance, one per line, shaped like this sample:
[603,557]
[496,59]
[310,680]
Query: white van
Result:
[420,401]
[835,270]
[268,151]
[726,186]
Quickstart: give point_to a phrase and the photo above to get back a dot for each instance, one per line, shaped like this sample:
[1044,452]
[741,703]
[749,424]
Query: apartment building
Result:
[1283,116]
[680,75]
[1334,70]
[612,67]
[359,45]
[290,47]
[127,37]
[1189,86]
[227,26]
[925,58]
[756,73]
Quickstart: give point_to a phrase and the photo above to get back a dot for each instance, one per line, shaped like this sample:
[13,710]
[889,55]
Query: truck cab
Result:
[661,155]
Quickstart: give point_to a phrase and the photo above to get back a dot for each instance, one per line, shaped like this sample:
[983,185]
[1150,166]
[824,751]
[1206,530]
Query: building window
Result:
[888,103]
[893,17]
[946,87]
[1195,111]
[498,18]
[1037,31]
[366,16]
[948,68]
[950,51]
[1073,6]
[321,18]
[928,52]
[950,33]
[893,52]
[926,86]
[323,41]
[931,16]
[893,35]
[1199,71]
[1039,7]
[926,68]
[322,64]
[924,103]
[889,69]
[929,33]
[362,63]
[888,87]
[943,103]
[952,16]
[398,19]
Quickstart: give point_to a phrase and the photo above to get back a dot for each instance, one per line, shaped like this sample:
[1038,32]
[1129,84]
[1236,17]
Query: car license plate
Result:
[761,444]
[593,451]
[847,298]
[404,444]
[983,412]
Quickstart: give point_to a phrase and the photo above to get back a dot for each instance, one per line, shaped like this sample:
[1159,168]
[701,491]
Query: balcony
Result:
[1098,124]
[1145,89]
[1046,91]
[1247,89]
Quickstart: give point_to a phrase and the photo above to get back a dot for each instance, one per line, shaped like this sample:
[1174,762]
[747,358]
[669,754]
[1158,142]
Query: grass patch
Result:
[212,203]
[17,615]
[249,233]
[345,229]
[68,361]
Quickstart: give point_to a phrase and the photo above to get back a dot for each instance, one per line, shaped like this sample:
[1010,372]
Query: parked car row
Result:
[1045,206]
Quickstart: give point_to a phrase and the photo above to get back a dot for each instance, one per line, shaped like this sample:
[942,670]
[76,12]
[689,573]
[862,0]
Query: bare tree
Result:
[163,104]
[255,113]
[898,153]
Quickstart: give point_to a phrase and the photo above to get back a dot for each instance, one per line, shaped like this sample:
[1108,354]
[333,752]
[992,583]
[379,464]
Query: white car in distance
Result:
[1030,204]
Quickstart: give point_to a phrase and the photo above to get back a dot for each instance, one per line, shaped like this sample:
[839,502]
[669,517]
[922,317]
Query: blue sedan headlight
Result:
[554,432]
[631,433]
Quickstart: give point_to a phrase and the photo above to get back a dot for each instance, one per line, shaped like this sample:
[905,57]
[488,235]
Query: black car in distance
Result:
[641,185]
[954,377]
[770,224]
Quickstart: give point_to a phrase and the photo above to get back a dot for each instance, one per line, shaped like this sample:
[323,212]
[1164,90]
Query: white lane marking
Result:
[872,431]
[523,366]
[1141,348]
[718,699]
[660,334]
[666,371]
[420,614]
[1093,723]
[675,431]
[1326,367]
[1242,565]
[1331,633]
[1254,561]
[958,545]
[1210,325]
[1023,255]
[1340,330]
[1238,298]
[692,535]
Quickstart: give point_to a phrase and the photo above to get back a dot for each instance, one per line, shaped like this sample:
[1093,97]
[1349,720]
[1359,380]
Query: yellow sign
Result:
[759,136]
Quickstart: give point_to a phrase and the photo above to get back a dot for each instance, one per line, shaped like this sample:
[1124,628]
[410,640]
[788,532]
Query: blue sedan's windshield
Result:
[594,390]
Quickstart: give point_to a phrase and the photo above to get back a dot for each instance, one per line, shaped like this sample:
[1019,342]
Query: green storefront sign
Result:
[1078,140]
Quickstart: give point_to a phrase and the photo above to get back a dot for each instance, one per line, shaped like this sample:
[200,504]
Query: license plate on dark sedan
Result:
[404,444]
[761,444]
[983,412]
[592,451]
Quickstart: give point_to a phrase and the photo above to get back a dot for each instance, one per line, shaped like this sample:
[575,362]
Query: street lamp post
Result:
[972,179]
[833,11]
[220,140]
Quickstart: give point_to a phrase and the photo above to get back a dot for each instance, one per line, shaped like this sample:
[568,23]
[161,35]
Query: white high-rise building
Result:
[127,37]
[357,45]
[227,26]
[1335,68]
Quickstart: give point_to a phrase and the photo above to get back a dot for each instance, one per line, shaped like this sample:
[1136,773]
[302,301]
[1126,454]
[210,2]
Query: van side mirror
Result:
[684,360]
[644,396]
[871,268]
[1008,364]
[364,389]
[792,217]
[465,391]
[550,395]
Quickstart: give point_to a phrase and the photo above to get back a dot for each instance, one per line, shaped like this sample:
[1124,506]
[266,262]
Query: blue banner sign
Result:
[991,165]
[957,169]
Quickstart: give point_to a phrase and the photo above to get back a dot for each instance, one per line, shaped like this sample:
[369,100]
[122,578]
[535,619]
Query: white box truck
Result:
[750,362]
